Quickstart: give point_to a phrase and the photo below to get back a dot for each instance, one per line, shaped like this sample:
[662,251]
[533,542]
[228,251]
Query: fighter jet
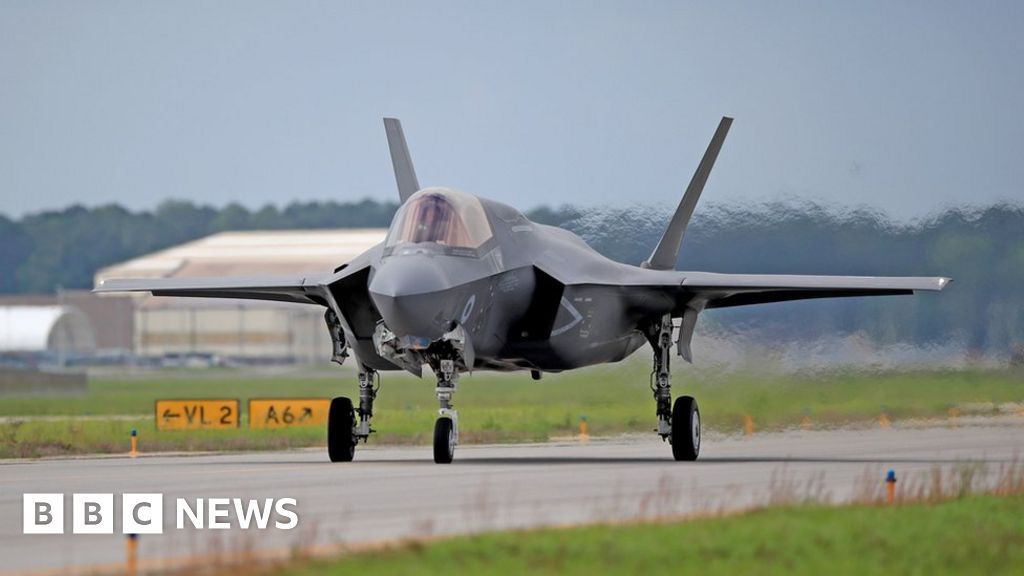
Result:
[465,283]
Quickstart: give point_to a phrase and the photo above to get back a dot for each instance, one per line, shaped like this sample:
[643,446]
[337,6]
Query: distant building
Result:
[245,330]
[45,330]
[110,318]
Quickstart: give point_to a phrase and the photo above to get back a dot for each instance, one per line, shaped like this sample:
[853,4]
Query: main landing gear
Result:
[679,423]
[344,430]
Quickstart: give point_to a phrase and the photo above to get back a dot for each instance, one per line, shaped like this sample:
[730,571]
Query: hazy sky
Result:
[906,107]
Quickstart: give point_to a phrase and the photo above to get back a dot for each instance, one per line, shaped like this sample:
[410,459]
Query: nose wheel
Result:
[444,441]
[446,429]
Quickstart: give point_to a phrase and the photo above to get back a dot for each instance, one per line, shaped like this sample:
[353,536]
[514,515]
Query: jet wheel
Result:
[685,429]
[341,443]
[444,441]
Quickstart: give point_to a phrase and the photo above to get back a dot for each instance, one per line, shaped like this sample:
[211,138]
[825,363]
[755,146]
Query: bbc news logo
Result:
[144,513]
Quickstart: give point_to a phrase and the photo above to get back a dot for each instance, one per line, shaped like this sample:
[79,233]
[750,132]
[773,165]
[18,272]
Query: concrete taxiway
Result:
[393,493]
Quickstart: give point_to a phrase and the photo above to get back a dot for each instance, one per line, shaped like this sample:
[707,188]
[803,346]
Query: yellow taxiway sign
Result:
[200,413]
[285,412]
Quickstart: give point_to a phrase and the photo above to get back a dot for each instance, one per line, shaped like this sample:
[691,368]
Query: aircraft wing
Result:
[301,289]
[704,290]
[725,290]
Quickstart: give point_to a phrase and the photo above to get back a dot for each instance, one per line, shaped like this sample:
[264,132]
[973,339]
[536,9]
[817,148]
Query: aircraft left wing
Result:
[302,289]
[703,290]
[725,290]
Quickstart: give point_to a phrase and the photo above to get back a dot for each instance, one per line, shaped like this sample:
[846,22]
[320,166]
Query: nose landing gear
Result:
[446,429]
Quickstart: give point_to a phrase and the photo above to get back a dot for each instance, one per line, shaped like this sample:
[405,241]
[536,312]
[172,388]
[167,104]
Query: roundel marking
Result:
[468,309]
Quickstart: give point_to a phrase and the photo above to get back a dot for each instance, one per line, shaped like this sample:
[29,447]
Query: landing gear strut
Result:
[679,424]
[661,377]
[369,385]
[446,429]
[344,430]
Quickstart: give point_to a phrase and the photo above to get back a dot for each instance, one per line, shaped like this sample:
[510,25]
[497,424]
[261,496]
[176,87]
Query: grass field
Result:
[493,407]
[973,535]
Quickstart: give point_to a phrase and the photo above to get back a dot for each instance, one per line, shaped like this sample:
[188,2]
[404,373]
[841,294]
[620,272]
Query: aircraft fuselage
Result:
[506,298]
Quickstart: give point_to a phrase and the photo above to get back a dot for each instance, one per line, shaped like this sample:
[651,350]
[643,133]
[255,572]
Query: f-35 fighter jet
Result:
[465,283]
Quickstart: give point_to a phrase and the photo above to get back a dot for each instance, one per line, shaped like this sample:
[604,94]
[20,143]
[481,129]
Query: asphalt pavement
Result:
[390,493]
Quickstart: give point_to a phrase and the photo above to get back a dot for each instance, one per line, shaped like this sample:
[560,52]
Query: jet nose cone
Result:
[409,293]
[407,276]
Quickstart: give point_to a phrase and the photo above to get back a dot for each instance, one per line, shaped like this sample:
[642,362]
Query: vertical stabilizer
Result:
[666,254]
[405,175]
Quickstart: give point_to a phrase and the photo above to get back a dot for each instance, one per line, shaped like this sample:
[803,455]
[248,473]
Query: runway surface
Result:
[391,493]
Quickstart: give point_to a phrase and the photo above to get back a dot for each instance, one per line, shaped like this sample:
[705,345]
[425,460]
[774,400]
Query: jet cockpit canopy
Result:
[442,216]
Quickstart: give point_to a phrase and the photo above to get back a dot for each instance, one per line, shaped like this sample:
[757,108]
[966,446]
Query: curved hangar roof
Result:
[42,328]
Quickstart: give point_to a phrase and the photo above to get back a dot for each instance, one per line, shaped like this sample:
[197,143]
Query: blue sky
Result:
[905,107]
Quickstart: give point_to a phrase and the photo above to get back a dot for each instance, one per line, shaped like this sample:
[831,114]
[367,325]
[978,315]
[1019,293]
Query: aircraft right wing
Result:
[302,290]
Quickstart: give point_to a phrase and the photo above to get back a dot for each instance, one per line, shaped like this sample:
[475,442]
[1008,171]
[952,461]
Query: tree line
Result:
[981,248]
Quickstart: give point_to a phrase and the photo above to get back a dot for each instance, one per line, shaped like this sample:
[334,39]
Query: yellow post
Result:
[584,435]
[132,555]
[954,413]
[883,421]
[806,423]
[748,425]
[135,443]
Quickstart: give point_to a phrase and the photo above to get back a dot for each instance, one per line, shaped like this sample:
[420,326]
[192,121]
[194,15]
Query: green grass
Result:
[974,535]
[495,407]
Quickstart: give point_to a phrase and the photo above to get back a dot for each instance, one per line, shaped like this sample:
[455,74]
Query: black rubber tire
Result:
[341,444]
[685,429]
[444,448]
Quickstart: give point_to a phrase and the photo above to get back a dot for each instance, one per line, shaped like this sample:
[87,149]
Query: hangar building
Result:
[42,329]
[241,330]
